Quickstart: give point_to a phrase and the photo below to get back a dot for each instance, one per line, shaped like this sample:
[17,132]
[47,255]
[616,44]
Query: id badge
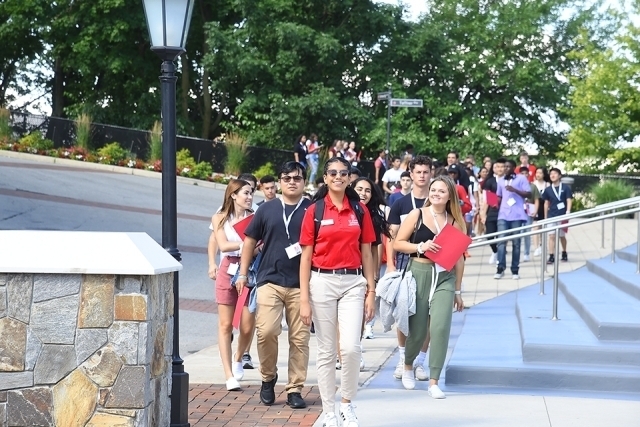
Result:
[233,269]
[560,206]
[293,250]
[511,201]
[440,269]
[324,222]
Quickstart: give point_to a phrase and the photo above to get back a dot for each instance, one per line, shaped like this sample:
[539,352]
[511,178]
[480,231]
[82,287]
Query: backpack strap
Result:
[317,219]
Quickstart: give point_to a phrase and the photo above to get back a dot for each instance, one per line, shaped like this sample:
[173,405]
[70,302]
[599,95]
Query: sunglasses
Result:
[333,173]
[288,179]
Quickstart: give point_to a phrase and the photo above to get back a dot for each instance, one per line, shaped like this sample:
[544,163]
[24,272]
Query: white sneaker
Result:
[361,363]
[330,420]
[232,384]
[493,259]
[348,415]
[498,276]
[408,379]
[421,373]
[538,251]
[516,277]
[397,374]
[338,365]
[368,332]
[238,370]
[435,392]
[526,258]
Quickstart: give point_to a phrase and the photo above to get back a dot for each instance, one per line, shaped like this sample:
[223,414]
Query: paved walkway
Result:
[383,402]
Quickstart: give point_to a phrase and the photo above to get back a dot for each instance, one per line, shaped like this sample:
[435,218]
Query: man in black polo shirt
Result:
[277,224]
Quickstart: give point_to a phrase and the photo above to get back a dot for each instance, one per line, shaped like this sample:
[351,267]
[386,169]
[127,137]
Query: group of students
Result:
[320,262]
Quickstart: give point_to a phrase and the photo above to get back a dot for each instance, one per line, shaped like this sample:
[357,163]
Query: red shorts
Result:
[225,293]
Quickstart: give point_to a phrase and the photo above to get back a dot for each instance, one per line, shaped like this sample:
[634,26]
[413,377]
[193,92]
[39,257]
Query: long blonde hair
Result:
[227,209]
[453,204]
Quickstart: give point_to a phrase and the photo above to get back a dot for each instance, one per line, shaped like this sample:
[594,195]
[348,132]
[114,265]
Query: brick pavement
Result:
[199,305]
[212,405]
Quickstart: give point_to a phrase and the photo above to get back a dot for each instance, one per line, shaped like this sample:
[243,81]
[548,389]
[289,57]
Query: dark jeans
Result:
[504,225]
[491,226]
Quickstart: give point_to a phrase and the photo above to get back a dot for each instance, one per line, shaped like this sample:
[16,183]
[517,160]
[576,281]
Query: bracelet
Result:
[419,248]
[458,292]
[242,276]
[366,294]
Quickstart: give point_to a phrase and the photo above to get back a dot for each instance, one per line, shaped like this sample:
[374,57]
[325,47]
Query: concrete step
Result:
[628,254]
[567,340]
[621,274]
[489,350]
[608,312]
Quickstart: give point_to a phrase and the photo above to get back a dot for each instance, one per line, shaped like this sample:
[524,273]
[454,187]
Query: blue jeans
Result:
[527,239]
[504,225]
[313,164]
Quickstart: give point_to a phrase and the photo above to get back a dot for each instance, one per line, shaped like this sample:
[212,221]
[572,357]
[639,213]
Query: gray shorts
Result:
[553,232]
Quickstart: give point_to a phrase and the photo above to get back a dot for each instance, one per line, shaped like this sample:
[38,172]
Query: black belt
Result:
[356,271]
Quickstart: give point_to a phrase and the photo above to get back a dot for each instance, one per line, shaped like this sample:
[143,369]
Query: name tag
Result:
[511,201]
[293,250]
[326,222]
[560,206]
[233,269]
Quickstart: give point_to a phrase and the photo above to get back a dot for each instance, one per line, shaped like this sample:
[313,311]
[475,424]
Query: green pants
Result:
[440,312]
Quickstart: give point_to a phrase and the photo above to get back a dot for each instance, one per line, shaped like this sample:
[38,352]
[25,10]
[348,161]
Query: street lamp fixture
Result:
[168,22]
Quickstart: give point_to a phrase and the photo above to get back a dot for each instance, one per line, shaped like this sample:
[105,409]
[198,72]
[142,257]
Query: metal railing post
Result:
[638,243]
[602,237]
[556,266]
[613,239]
[543,261]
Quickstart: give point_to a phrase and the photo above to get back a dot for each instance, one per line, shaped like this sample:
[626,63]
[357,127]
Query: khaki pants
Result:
[272,299]
[337,301]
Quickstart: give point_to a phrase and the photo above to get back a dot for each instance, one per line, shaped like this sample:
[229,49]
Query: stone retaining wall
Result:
[85,350]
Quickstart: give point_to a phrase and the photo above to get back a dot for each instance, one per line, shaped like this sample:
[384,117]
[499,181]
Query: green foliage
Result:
[611,190]
[155,142]
[202,170]
[35,142]
[185,163]
[236,147]
[112,154]
[5,125]
[264,170]
[83,131]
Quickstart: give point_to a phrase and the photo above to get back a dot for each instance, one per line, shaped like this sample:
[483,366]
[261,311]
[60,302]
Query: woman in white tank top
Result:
[236,206]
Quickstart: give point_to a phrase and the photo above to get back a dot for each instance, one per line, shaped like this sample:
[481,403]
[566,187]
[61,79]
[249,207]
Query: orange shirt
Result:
[339,236]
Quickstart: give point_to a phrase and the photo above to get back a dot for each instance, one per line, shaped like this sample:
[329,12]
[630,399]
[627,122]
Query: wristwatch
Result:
[419,248]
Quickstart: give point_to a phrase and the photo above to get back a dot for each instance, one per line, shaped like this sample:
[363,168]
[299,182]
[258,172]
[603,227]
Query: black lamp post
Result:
[168,22]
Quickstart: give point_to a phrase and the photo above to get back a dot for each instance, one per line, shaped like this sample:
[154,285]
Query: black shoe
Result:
[564,257]
[551,259]
[296,401]
[267,391]
[247,363]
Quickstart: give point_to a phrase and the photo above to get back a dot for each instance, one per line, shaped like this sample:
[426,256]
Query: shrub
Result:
[184,162]
[202,170]
[264,170]
[35,143]
[5,124]
[611,190]
[155,142]
[112,154]
[83,131]
[236,154]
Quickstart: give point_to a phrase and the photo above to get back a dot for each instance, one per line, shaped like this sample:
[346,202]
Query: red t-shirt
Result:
[465,207]
[339,236]
[532,172]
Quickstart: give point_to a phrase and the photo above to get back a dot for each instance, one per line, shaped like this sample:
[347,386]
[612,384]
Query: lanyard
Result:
[288,220]
[558,193]
[435,220]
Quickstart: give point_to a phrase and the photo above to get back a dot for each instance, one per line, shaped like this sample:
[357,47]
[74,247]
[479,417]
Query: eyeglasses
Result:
[287,179]
[333,173]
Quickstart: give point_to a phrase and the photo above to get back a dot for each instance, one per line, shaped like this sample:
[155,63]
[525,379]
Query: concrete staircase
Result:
[511,342]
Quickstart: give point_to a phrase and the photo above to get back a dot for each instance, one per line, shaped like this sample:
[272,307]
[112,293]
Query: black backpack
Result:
[319,214]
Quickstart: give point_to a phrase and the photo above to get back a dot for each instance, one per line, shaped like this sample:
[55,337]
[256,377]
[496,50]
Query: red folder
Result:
[453,243]
[242,225]
[492,199]
[237,314]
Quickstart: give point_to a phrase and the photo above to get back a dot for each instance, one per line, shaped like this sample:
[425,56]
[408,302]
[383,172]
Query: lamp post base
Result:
[180,392]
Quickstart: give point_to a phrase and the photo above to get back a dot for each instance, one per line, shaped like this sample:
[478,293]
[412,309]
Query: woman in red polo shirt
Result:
[337,285]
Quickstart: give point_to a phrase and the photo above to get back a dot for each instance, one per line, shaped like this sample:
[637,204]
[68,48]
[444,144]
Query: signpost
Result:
[396,102]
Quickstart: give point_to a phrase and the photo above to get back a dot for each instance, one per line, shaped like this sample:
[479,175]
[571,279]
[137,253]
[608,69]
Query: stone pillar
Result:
[88,349]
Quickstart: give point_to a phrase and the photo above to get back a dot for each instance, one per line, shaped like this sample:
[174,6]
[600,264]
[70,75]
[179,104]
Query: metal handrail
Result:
[553,224]
[580,214]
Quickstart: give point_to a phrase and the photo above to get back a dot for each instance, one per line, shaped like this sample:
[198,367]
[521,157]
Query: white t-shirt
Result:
[392,175]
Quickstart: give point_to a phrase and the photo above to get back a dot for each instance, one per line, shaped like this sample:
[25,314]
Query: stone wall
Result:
[85,350]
